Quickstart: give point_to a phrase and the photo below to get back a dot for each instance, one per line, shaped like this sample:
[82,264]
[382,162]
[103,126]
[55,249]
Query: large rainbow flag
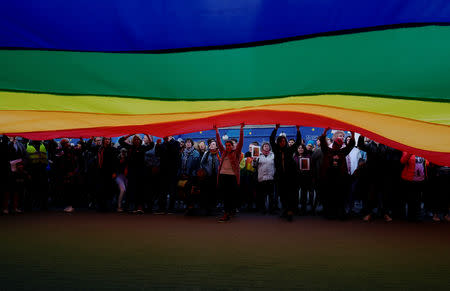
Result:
[82,68]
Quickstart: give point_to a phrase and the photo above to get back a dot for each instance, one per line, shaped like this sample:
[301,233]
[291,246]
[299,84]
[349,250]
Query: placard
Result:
[304,164]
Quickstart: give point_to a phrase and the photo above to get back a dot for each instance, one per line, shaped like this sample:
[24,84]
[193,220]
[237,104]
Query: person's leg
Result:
[121,184]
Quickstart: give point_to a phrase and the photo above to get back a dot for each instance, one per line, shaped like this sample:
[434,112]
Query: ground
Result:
[91,251]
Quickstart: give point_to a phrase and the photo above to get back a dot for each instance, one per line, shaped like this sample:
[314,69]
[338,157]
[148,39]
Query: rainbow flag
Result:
[83,68]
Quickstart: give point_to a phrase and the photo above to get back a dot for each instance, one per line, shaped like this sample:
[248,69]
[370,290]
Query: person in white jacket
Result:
[265,167]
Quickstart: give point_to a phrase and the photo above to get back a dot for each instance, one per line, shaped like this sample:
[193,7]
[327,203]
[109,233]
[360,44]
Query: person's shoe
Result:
[447,218]
[138,211]
[120,209]
[69,209]
[224,218]
[387,218]
[436,218]
[18,211]
[5,211]
[367,218]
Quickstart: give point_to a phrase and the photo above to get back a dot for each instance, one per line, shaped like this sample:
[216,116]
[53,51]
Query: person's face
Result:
[188,144]
[12,139]
[136,141]
[98,141]
[202,146]
[213,146]
[347,140]
[266,148]
[282,143]
[106,141]
[328,141]
[291,142]
[234,144]
[146,140]
[181,143]
[229,147]
[300,150]
[64,144]
[340,135]
[318,142]
[309,147]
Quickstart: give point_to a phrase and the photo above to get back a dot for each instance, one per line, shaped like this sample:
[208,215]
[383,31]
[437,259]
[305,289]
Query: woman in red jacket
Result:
[229,172]
[414,175]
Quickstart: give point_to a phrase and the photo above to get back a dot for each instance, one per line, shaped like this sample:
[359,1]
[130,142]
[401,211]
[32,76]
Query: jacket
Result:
[265,165]
[409,161]
[234,155]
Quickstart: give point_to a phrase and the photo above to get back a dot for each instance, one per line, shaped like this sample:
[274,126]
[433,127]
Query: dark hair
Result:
[292,139]
[229,141]
[234,140]
[305,151]
[210,140]
[189,139]
[255,143]
[279,138]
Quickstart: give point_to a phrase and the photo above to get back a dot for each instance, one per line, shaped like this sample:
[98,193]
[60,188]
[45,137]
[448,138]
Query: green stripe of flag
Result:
[409,62]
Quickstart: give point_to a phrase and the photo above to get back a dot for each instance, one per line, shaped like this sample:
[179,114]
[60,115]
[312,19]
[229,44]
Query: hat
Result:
[311,142]
[180,140]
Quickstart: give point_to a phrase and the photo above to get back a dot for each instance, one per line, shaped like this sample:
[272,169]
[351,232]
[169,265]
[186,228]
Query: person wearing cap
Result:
[334,174]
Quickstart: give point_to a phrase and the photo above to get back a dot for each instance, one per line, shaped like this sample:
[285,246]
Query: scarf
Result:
[186,153]
[215,165]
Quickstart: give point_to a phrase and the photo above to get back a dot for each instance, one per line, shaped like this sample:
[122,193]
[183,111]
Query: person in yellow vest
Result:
[37,161]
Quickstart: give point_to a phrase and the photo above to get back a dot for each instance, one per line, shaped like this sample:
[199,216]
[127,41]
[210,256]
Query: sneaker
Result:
[138,211]
[120,210]
[69,209]
[436,218]
[367,218]
[5,211]
[224,218]
[17,210]
[387,218]
[447,218]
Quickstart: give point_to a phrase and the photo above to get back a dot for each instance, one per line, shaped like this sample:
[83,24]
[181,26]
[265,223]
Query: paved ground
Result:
[90,251]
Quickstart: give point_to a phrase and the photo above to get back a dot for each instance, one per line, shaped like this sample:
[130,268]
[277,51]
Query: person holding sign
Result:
[302,158]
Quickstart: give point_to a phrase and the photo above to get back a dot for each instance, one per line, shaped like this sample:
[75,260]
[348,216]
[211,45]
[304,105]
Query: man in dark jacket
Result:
[136,169]
[377,177]
[170,161]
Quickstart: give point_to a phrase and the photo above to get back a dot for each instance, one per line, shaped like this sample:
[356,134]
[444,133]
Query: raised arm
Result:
[272,138]
[219,140]
[150,144]
[241,138]
[298,140]
[361,144]
[123,143]
[350,146]
[323,140]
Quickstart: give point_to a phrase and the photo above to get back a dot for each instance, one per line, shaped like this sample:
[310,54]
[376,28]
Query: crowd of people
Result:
[336,177]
